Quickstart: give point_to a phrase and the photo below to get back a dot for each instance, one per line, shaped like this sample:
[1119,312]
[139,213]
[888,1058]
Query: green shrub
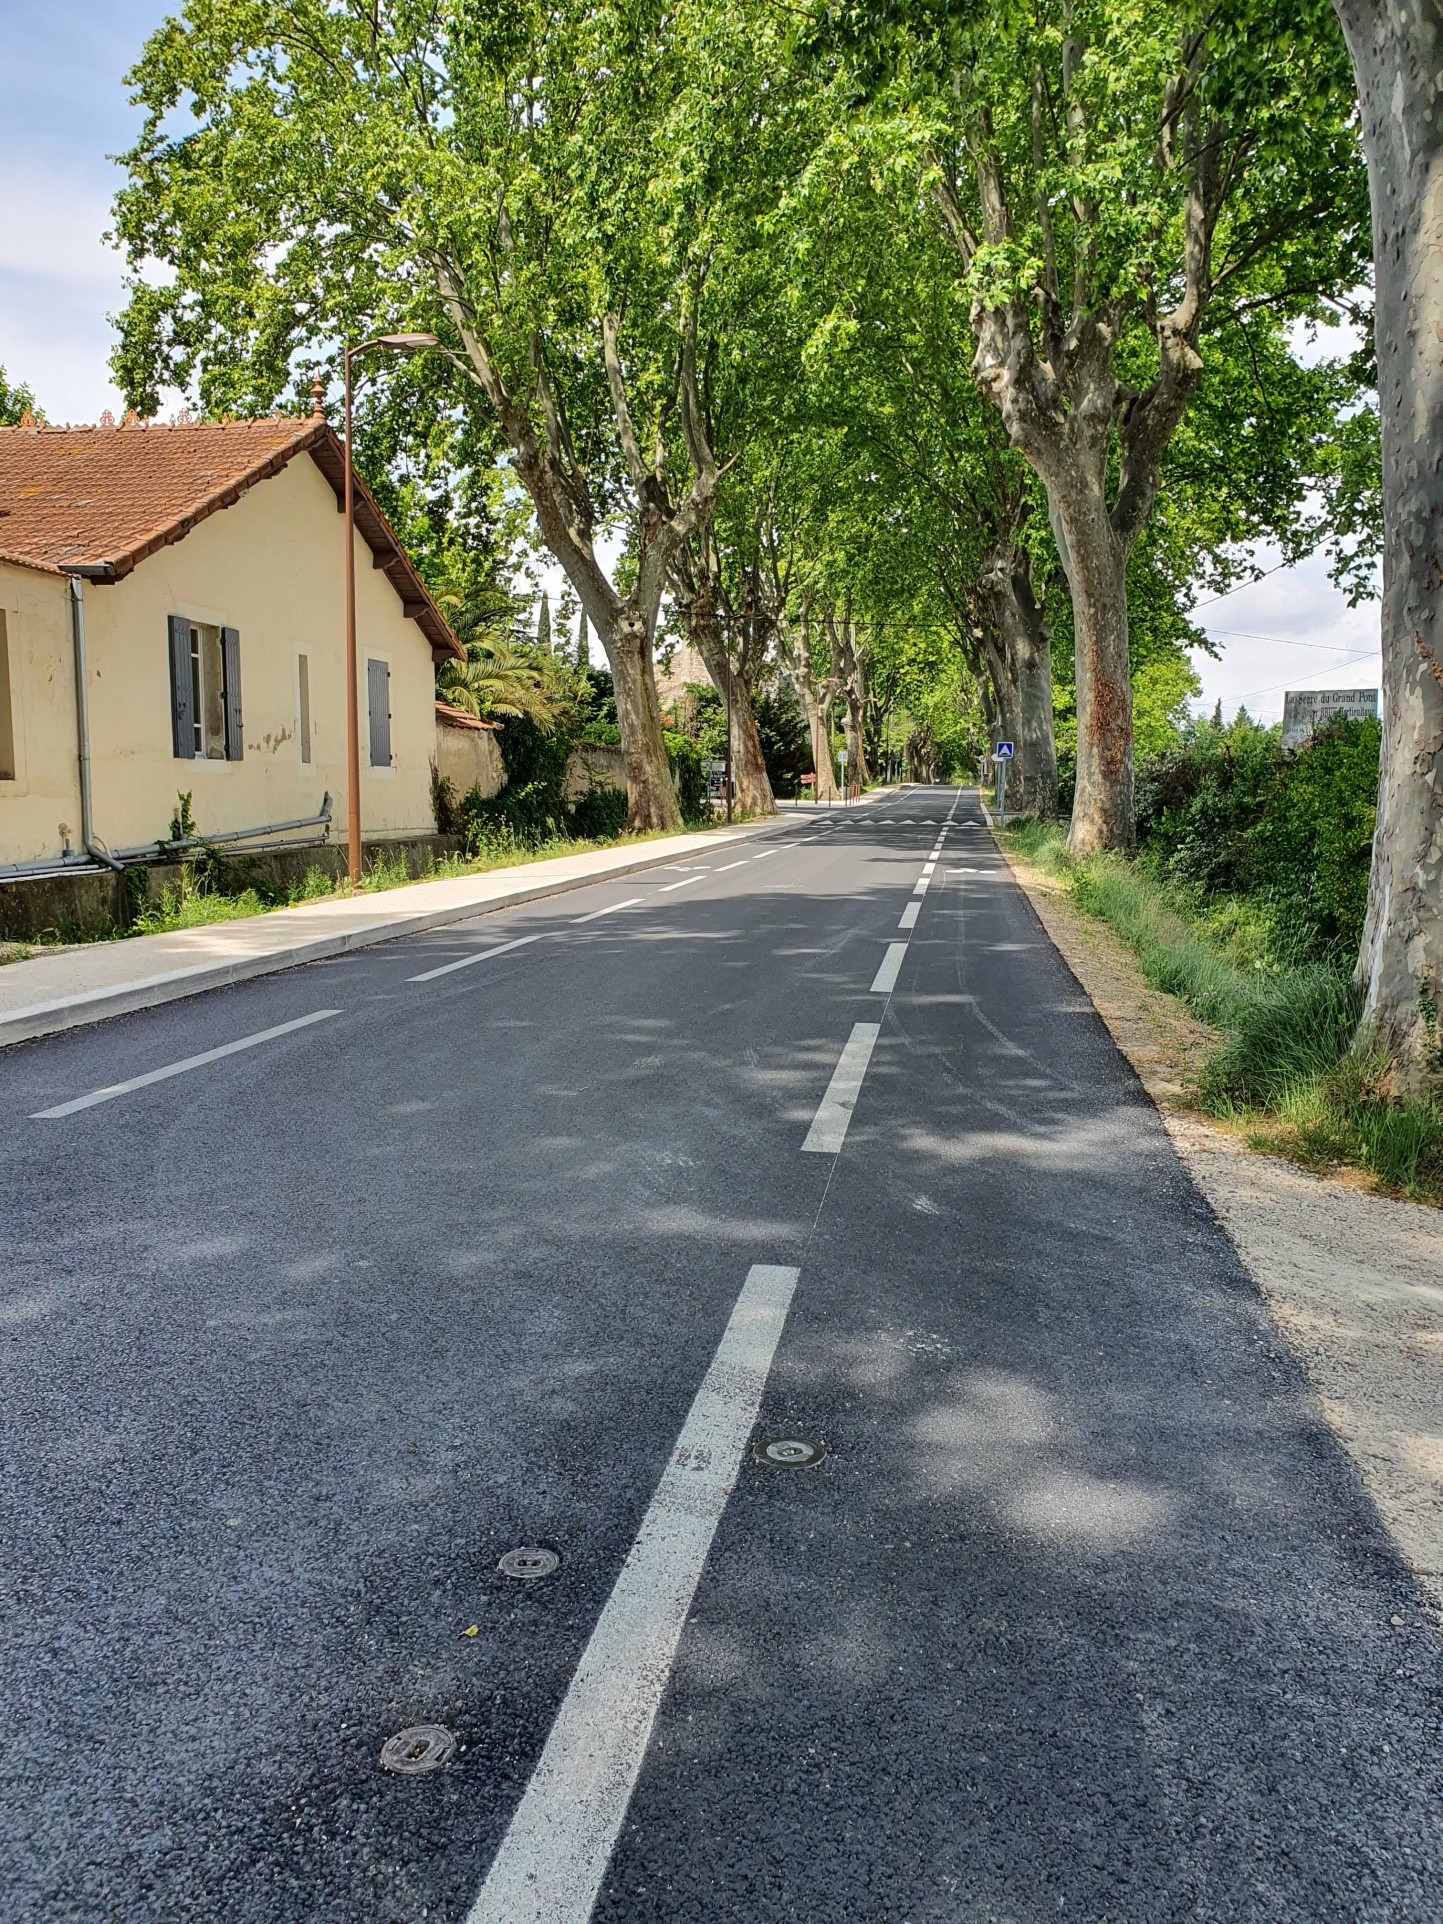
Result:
[599,815]
[1226,813]
[688,769]
[529,808]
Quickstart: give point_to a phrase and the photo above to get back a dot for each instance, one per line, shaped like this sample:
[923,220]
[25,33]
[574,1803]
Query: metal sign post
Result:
[1002,757]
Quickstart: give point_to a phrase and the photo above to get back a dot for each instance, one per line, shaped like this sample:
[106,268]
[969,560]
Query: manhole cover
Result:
[788,1452]
[530,1561]
[422,1747]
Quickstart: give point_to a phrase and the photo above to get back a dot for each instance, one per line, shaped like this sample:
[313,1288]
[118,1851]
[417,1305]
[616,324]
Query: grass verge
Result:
[215,892]
[1287,1070]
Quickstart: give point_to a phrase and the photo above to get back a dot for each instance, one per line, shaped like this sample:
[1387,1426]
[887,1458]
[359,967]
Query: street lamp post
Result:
[729,733]
[398,344]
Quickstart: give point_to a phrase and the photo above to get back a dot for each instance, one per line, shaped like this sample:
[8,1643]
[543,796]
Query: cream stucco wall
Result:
[270,567]
[41,806]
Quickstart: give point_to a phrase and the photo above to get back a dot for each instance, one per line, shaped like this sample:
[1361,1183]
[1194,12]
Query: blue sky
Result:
[63,110]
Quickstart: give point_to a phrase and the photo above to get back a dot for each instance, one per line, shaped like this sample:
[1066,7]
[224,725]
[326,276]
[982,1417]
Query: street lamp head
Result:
[407,343]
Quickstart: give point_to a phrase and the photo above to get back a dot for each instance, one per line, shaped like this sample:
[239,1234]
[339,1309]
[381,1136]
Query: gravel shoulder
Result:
[1353,1280]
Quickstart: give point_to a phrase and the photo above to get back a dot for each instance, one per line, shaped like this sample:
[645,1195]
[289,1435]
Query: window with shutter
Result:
[7,709]
[378,692]
[182,689]
[303,706]
[231,690]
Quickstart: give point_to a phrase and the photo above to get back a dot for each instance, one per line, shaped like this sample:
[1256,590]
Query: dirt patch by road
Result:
[1354,1280]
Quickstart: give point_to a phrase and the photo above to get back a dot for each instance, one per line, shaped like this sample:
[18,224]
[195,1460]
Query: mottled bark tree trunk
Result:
[1017,652]
[1397,53]
[1050,365]
[817,707]
[749,766]
[816,698]
[1030,646]
[1094,559]
[650,793]
[545,461]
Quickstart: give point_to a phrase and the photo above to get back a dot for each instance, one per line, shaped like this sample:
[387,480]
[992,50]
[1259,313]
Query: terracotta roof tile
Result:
[458,718]
[99,500]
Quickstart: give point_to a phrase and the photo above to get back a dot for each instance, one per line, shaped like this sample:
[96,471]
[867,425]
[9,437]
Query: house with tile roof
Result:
[172,623]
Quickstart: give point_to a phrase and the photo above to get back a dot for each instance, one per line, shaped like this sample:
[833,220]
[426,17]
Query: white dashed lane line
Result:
[909,916]
[554,1855]
[685,883]
[469,961]
[610,909]
[886,977]
[829,1126]
[181,1068]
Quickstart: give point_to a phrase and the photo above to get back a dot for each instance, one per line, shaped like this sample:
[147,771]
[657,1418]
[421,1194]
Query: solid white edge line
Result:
[909,916]
[886,977]
[829,1126]
[610,909]
[469,961]
[685,884]
[115,1089]
[554,1856]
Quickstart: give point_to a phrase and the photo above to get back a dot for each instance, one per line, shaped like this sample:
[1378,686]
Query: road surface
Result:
[535,1232]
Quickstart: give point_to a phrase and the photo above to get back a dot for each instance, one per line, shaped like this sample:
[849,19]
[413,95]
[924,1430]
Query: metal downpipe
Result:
[88,839]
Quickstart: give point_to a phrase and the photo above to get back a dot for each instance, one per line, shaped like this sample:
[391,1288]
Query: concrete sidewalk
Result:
[99,979]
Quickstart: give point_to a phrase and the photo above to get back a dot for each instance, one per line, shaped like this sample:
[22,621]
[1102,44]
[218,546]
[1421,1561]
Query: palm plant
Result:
[498,677]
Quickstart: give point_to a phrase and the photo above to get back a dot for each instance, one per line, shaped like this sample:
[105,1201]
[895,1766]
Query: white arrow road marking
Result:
[554,1855]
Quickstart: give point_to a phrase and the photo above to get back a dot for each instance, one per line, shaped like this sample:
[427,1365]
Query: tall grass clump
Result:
[1287,1034]
[1280,990]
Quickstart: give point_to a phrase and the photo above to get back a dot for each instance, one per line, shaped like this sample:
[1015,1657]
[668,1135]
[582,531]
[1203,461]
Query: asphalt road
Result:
[1082,1614]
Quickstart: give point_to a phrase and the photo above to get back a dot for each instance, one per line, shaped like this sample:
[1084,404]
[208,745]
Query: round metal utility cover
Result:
[530,1561]
[788,1452]
[422,1747]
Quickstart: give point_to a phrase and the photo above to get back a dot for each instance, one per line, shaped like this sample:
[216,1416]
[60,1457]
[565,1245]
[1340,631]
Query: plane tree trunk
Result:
[1049,364]
[1018,652]
[533,423]
[849,672]
[749,766]
[1397,53]
[816,695]
[1031,647]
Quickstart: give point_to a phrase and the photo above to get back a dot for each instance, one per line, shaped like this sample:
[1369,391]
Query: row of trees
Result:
[870,330]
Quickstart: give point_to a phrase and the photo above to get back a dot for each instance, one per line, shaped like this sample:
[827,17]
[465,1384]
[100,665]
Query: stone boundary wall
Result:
[81,906]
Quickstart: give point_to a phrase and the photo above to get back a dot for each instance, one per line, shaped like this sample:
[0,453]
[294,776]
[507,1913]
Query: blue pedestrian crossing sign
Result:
[1004,752]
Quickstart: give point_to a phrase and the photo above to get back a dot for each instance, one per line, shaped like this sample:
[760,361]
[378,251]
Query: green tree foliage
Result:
[1227,812]
[16,401]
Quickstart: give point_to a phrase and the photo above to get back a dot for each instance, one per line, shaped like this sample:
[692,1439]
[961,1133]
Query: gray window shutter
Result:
[230,672]
[378,695]
[182,706]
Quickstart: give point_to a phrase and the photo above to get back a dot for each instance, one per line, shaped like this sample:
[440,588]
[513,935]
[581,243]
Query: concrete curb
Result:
[146,992]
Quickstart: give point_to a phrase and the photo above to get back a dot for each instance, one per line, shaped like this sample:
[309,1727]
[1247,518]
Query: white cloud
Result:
[1292,629]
